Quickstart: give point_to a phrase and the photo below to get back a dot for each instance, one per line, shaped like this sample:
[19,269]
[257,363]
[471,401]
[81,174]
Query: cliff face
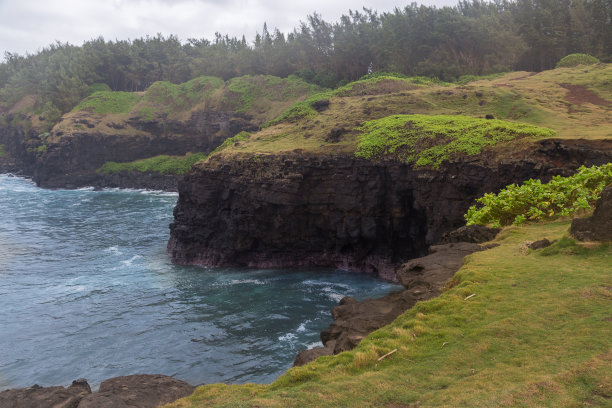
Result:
[71,160]
[339,211]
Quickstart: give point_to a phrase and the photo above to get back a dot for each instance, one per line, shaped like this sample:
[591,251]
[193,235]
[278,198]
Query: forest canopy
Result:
[475,37]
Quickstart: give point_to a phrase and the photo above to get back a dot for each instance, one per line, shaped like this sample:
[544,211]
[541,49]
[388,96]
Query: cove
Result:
[88,290]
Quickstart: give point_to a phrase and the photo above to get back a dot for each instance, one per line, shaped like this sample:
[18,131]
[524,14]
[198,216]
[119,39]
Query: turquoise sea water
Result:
[87,290]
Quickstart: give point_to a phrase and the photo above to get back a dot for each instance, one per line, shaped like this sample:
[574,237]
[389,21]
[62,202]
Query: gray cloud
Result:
[28,25]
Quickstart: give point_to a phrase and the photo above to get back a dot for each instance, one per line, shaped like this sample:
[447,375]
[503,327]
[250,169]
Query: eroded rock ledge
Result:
[134,391]
[339,211]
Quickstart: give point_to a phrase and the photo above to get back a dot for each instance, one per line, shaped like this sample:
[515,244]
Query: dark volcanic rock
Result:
[470,233]
[133,391]
[599,226]
[72,159]
[340,211]
[320,105]
[542,243]
[45,397]
[137,391]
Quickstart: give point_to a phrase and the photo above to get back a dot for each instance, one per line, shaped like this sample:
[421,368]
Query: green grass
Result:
[372,84]
[535,333]
[107,102]
[174,98]
[534,201]
[430,140]
[254,91]
[574,60]
[159,164]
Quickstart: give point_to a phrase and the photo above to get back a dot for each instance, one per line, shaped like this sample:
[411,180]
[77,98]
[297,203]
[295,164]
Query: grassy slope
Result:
[537,99]
[537,332]
[262,97]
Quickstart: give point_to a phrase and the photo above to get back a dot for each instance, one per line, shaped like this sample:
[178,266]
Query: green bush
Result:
[562,196]
[430,140]
[231,140]
[573,60]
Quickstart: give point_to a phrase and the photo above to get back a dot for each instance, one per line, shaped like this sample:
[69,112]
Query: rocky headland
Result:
[341,211]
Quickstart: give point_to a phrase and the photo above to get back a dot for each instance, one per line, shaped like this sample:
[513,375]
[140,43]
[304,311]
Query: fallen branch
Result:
[471,296]
[387,355]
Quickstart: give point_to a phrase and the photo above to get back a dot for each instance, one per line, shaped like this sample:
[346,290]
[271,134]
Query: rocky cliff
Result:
[340,211]
[71,157]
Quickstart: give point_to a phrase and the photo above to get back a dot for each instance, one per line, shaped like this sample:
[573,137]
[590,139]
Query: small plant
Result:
[2,151]
[430,140]
[533,201]
[574,60]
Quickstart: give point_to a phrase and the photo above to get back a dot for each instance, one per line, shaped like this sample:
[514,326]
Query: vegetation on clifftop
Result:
[430,140]
[162,164]
[514,328]
[108,102]
[535,201]
[573,60]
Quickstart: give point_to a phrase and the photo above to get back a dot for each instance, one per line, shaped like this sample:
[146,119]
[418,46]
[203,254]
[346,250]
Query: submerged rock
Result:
[599,226]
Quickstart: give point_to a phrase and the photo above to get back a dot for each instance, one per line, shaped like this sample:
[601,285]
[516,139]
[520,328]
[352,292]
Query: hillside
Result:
[516,327]
[175,120]
[574,102]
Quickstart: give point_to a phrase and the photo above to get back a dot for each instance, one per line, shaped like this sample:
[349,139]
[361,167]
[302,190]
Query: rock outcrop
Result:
[71,160]
[339,211]
[598,227]
[134,391]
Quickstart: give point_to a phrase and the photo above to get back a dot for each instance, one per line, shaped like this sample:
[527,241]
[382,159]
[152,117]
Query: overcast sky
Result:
[28,25]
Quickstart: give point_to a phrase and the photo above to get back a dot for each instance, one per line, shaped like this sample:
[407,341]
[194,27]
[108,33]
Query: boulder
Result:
[45,397]
[137,391]
[598,227]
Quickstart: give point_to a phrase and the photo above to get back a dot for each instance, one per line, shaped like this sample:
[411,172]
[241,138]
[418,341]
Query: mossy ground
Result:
[515,328]
[541,99]
[162,164]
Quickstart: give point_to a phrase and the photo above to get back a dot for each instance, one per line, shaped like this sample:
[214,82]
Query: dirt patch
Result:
[579,94]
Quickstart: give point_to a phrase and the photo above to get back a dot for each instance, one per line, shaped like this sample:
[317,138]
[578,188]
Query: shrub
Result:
[562,196]
[430,140]
[573,60]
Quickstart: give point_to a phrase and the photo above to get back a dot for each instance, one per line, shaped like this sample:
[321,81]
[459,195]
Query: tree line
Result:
[475,37]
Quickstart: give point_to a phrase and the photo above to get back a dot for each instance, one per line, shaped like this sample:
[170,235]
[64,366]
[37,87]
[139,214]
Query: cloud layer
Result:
[28,25]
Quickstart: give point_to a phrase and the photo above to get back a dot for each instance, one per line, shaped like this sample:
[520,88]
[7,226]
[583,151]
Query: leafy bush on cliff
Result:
[180,97]
[562,196]
[573,60]
[159,164]
[430,140]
